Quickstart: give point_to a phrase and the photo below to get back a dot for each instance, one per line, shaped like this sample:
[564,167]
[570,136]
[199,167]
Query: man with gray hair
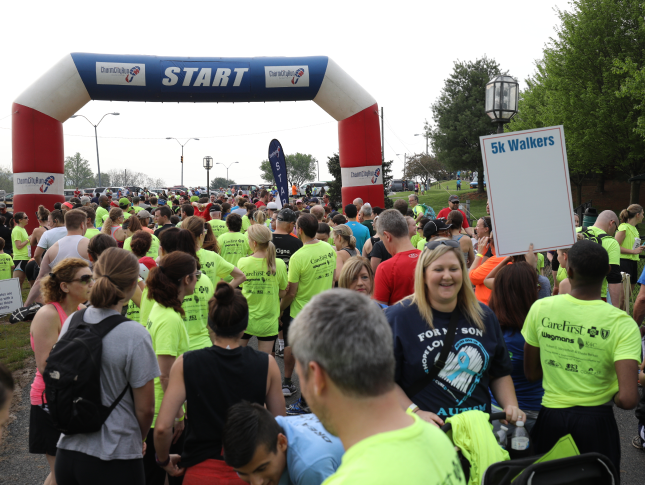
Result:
[603,232]
[394,279]
[366,217]
[358,202]
[85,201]
[346,367]
[318,211]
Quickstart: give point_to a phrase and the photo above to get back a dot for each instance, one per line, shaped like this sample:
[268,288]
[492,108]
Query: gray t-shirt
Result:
[128,357]
[545,287]
[49,238]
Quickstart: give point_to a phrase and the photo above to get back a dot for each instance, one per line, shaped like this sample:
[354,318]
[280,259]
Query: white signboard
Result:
[360,176]
[10,295]
[30,183]
[121,73]
[286,76]
[529,192]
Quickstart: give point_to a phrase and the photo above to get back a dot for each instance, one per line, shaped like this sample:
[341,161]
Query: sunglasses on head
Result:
[434,244]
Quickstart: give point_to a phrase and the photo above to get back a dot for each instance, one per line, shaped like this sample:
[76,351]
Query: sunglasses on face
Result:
[85,279]
[435,244]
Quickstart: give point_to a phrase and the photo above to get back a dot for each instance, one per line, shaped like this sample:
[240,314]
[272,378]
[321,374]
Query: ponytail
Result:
[352,242]
[261,234]
[115,271]
[629,213]
[163,280]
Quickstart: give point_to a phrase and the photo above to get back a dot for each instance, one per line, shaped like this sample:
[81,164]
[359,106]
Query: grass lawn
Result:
[15,347]
[437,197]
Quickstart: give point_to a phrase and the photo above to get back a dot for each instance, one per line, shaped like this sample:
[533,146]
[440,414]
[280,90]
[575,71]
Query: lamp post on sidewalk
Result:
[96,137]
[182,154]
[502,95]
[220,163]
[208,164]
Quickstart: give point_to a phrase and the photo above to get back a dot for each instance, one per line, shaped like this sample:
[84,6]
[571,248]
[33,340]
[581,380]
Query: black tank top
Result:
[215,379]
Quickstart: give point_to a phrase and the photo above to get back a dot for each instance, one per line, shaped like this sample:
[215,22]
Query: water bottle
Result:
[520,438]
[501,437]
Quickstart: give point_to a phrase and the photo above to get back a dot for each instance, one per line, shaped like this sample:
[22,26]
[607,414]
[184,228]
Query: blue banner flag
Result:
[279,168]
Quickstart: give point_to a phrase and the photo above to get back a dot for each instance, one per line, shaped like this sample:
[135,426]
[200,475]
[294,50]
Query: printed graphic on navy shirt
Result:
[476,357]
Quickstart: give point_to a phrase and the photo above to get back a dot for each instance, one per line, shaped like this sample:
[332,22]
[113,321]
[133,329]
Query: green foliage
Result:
[424,167]
[387,178]
[335,185]
[77,172]
[301,168]
[460,118]
[220,182]
[6,179]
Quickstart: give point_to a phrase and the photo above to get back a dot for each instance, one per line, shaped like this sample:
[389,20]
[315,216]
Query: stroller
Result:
[586,469]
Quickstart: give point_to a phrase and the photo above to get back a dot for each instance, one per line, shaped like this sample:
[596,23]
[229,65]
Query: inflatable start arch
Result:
[40,111]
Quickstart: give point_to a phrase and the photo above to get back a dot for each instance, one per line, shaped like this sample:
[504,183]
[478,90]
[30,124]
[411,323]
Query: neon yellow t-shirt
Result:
[245,223]
[146,307]
[100,213]
[196,318]
[169,337]
[579,342]
[219,227]
[153,252]
[415,240]
[613,250]
[126,216]
[20,234]
[6,262]
[261,290]
[421,244]
[137,209]
[133,312]
[232,247]
[214,266]
[312,267]
[631,233]
[420,454]
[91,232]
[562,274]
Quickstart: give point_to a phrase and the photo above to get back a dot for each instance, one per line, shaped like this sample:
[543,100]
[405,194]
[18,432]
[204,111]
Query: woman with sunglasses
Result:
[173,279]
[63,290]
[478,358]
[418,240]
[483,265]
[345,244]
[266,283]
[20,246]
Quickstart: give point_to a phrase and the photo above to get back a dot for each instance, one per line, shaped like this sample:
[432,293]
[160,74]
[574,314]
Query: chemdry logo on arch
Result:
[121,73]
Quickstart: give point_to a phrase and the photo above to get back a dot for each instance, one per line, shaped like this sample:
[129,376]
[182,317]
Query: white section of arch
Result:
[340,95]
[58,93]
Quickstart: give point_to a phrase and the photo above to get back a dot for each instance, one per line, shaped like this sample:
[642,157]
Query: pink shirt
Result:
[38,386]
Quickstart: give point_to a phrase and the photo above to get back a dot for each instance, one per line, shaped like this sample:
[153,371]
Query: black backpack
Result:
[587,234]
[73,376]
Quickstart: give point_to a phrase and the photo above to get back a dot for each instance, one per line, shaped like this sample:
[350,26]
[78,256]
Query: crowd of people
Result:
[359,302]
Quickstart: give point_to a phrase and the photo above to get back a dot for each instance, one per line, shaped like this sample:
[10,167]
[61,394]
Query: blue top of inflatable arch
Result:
[200,79]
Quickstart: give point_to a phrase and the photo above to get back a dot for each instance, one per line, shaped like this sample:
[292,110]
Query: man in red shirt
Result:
[453,205]
[395,277]
[77,193]
[264,198]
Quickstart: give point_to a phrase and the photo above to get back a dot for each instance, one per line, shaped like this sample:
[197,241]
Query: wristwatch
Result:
[162,463]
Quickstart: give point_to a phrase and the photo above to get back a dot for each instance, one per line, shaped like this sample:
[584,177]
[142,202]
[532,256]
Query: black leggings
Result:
[76,468]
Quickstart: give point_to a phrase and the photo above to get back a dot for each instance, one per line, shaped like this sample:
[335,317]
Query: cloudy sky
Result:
[401,53]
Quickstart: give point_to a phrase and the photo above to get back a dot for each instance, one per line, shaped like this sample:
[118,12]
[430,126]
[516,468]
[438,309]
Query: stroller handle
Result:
[493,417]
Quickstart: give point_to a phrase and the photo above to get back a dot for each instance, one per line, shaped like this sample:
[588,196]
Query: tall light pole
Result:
[182,154]
[220,163]
[318,165]
[96,137]
[208,164]
[405,156]
[426,135]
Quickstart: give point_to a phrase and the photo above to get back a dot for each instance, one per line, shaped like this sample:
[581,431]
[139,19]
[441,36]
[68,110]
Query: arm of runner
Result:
[289,297]
[144,406]
[639,306]
[490,279]
[238,277]
[38,254]
[44,330]
[171,408]
[620,237]
[504,392]
[274,396]
[166,363]
[627,374]
[482,248]
[532,364]
[406,402]
[21,244]
[374,262]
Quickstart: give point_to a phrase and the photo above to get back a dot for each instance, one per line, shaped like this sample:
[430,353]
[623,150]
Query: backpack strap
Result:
[108,324]
[440,363]
[77,319]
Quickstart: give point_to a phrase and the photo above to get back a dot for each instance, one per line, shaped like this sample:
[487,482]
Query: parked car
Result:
[397,185]
[473,185]
[69,193]
[303,188]
[245,188]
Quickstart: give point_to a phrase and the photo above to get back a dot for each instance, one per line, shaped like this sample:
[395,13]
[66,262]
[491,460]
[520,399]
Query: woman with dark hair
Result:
[212,380]
[63,290]
[233,244]
[114,454]
[140,246]
[226,210]
[97,245]
[168,283]
[514,291]
[455,220]
[345,245]
[210,240]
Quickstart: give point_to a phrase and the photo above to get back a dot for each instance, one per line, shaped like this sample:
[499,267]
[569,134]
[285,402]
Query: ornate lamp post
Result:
[208,164]
[502,94]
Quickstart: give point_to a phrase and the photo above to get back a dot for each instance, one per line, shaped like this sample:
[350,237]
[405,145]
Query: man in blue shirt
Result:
[361,233]
[293,450]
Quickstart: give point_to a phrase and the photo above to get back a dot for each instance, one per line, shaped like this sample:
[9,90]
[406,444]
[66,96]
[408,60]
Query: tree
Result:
[128,178]
[6,179]
[77,172]
[425,167]
[220,182]
[301,168]
[335,185]
[387,178]
[460,118]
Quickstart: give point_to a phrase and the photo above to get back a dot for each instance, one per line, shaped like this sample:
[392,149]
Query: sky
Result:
[401,54]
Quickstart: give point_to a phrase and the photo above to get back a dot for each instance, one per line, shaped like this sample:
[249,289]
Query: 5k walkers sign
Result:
[279,168]
[523,211]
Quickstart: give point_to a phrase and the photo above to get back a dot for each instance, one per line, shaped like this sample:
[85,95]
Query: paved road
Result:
[18,467]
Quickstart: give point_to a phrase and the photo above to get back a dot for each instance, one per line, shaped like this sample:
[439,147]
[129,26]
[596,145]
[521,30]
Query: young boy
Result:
[6,263]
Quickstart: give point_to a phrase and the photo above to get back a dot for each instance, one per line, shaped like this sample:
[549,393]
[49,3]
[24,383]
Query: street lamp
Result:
[96,137]
[502,94]
[220,163]
[426,135]
[182,154]
[208,164]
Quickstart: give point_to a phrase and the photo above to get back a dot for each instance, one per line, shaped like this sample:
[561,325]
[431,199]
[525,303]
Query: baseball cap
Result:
[272,206]
[287,215]
[161,201]
[433,227]
[216,208]
[144,214]
[453,198]
[299,201]
[68,205]
[314,200]
[124,201]
[3,206]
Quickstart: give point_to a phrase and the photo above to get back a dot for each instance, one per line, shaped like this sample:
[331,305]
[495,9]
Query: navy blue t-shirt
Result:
[529,394]
[476,357]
